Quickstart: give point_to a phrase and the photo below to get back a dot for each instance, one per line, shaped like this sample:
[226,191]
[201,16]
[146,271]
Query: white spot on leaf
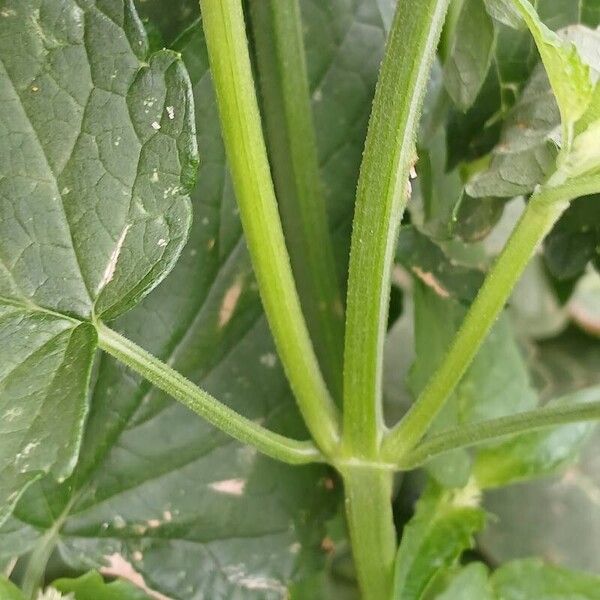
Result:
[229,303]
[109,272]
[268,360]
[231,487]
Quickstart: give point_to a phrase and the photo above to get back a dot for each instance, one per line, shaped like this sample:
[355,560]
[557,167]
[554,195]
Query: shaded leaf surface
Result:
[467,65]
[575,239]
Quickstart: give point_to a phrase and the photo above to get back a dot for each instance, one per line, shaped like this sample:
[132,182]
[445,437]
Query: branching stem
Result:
[383,190]
[543,210]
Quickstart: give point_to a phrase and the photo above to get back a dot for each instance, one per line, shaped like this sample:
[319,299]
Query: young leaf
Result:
[469,59]
[91,586]
[442,528]
[569,76]
[99,152]
[535,454]
[531,578]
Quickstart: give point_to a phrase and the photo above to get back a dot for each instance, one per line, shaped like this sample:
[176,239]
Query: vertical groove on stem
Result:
[225,33]
[383,190]
[277,34]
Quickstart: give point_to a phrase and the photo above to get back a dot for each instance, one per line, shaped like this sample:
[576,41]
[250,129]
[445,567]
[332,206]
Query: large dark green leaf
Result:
[427,260]
[195,513]
[98,154]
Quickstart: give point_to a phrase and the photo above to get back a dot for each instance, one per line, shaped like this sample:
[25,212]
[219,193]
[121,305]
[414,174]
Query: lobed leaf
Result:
[98,157]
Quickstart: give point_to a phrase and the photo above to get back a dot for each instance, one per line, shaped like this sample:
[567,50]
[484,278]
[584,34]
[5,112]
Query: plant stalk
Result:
[368,495]
[202,403]
[543,210]
[383,190]
[35,568]
[484,432]
[292,147]
[227,45]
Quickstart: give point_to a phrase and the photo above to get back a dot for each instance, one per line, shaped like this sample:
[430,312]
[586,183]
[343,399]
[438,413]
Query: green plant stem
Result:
[368,494]
[383,190]
[221,416]
[543,210]
[474,434]
[225,33]
[281,67]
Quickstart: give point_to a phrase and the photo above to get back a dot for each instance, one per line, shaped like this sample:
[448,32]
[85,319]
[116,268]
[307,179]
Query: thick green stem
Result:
[484,432]
[221,416]
[543,210]
[224,28]
[368,493]
[277,33]
[383,190]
